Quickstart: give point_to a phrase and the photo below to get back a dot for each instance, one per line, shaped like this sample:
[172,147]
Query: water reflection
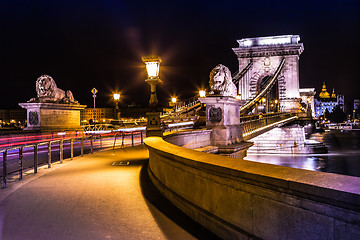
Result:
[343,157]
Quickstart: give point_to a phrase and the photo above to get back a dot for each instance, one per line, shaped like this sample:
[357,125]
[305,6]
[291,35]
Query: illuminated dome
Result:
[333,95]
[324,93]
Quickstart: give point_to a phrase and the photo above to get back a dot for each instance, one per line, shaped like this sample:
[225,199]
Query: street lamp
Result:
[117,99]
[264,104]
[152,67]
[153,127]
[202,93]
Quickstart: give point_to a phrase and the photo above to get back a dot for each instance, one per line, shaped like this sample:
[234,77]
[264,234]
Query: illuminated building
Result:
[307,96]
[17,116]
[101,114]
[327,101]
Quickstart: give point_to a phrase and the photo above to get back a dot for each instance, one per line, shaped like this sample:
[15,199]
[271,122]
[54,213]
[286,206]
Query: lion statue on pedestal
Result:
[47,91]
[221,82]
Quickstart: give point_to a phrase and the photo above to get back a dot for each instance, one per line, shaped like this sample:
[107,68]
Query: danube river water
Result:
[343,156]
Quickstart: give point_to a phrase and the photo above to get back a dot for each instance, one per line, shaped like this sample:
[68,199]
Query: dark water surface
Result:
[343,157]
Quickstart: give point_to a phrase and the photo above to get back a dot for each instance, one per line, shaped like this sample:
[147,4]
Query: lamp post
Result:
[153,124]
[94,91]
[276,105]
[117,99]
[152,67]
[264,103]
[172,103]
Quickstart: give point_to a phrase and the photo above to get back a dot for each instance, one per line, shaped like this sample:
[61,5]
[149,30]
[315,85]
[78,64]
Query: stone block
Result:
[52,116]
[275,220]
[347,231]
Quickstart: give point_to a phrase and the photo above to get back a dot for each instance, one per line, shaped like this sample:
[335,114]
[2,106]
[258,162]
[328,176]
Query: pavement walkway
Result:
[105,195]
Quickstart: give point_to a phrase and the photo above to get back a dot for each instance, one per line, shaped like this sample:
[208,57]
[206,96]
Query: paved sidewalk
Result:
[90,198]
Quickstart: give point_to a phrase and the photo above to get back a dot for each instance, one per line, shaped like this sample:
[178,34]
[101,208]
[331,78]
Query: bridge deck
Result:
[89,198]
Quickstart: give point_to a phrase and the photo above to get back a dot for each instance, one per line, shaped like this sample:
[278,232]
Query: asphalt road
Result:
[93,198]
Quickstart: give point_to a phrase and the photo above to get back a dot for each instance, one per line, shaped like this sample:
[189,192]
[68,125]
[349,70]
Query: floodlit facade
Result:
[101,114]
[327,101]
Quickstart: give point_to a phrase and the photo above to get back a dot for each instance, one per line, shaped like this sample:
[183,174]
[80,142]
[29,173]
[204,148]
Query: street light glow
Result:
[202,93]
[116,96]
[173,100]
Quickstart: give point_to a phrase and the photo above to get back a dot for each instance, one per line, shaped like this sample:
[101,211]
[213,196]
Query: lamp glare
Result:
[202,93]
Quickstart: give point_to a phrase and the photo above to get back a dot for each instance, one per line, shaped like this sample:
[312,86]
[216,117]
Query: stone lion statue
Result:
[47,91]
[221,81]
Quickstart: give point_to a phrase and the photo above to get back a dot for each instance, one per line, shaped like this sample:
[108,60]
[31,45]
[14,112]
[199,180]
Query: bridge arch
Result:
[265,54]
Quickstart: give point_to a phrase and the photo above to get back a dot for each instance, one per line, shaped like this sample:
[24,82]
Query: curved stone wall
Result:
[239,199]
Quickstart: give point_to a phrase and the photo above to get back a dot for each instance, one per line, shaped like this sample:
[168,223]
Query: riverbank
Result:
[343,155]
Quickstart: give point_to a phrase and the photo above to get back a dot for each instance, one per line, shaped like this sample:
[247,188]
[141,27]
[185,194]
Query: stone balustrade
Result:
[239,199]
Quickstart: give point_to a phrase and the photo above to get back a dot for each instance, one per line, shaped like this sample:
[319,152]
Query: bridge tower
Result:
[266,53]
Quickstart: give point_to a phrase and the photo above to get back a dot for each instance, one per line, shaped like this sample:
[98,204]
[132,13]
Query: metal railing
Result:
[47,146]
[253,127]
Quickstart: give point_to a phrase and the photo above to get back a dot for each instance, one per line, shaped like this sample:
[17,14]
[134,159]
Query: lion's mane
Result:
[221,81]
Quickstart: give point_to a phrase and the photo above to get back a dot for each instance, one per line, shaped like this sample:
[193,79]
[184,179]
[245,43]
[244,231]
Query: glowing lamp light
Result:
[263,100]
[276,101]
[202,93]
[116,96]
[173,100]
[152,66]
[238,97]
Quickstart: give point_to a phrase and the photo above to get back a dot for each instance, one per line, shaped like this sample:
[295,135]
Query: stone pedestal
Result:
[52,116]
[153,128]
[223,117]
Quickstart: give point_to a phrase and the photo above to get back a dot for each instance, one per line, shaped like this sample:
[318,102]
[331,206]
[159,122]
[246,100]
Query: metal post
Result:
[61,151]
[49,155]
[141,136]
[92,147]
[115,140]
[122,141]
[20,163]
[71,148]
[35,158]
[132,138]
[82,146]
[4,168]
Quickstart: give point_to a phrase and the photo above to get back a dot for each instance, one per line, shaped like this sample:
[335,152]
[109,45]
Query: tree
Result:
[337,115]
[327,115]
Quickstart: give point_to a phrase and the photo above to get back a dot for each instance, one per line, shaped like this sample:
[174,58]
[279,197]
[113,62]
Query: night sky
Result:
[86,44]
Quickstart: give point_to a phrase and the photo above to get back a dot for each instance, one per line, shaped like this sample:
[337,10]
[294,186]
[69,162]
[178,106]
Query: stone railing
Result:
[238,199]
[190,139]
